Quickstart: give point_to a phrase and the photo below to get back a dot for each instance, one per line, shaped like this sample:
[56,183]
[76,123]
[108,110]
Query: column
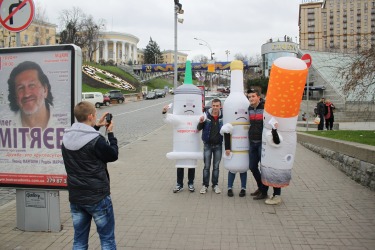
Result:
[127,52]
[105,49]
[123,59]
[114,51]
[97,52]
[135,53]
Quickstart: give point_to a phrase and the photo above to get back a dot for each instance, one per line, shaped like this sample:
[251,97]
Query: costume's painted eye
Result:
[245,113]
[235,113]
[184,106]
[193,106]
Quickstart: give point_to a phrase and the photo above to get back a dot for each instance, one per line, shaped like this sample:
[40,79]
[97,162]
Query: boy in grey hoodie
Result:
[86,154]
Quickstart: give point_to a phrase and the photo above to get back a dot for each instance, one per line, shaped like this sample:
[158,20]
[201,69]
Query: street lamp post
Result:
[227,52]
[177,10]
[207,45]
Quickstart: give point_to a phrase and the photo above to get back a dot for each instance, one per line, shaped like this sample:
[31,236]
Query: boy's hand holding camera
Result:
[106,120]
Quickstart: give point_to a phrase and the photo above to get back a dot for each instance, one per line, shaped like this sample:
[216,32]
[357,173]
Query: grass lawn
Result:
[360,136]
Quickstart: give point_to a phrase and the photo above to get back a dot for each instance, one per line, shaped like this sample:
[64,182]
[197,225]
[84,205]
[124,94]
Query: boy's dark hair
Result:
[216,100]
[250,91]
[27,65]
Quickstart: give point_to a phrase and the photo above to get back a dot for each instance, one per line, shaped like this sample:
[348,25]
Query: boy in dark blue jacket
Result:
[213,140]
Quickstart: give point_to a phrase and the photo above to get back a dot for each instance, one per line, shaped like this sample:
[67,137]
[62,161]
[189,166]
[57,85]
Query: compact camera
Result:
[108,117]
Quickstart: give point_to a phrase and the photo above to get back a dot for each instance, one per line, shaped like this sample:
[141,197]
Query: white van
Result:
[95,98]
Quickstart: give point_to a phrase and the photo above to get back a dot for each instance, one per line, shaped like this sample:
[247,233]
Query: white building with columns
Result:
[117,46]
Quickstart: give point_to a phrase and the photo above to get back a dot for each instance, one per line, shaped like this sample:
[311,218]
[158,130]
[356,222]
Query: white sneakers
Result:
[274,200]
[216,189]
[203,190]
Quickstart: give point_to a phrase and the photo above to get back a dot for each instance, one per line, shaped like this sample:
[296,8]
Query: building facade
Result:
[337,25]
[275,48]
[38,33]
[117,46]
[167,55]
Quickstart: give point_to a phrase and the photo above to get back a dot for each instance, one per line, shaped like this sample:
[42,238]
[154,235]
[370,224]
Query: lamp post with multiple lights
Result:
[227,52]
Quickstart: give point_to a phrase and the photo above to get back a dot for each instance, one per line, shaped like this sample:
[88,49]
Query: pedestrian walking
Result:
[321,112]
[329,117]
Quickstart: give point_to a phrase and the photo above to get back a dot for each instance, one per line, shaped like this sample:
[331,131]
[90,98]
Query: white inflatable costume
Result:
[236,122]
[187,109]
[283,99]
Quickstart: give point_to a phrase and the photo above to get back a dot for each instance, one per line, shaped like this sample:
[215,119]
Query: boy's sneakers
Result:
[216,189]
[242,192]
[191,188]
[274,200]
[178,189]
[203,190]
[230,192]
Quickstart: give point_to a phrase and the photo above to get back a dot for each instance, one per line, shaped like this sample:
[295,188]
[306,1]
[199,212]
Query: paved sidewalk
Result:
[321,209]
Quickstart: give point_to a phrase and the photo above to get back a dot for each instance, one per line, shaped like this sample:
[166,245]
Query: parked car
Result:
[95,98]
[106,100]
[116,95]
[151,95]
[160,92]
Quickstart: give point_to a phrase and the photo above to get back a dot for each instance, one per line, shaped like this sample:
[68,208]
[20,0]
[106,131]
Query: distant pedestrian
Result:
[329,117]
[212,140]
[321,112]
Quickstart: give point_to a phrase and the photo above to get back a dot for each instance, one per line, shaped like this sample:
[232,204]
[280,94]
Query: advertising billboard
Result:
[39,87]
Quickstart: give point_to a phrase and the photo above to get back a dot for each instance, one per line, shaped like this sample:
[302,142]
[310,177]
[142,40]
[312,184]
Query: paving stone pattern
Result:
[321,209]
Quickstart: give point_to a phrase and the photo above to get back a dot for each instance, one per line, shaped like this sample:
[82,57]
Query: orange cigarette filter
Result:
[285,90]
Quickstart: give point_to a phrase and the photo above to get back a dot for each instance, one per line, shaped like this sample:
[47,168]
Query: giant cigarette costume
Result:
[284,95]
[236,121]
[187,109]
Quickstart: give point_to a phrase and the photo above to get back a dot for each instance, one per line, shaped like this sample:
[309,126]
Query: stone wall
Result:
[354,159]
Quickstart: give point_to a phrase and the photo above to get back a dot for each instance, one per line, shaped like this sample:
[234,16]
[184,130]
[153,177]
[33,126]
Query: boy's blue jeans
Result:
[103,215]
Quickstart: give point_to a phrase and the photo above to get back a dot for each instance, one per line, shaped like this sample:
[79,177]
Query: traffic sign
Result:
[308,60]
[16,15]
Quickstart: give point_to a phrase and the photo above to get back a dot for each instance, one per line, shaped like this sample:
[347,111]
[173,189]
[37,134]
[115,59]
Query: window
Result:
[36,29]
[26,38]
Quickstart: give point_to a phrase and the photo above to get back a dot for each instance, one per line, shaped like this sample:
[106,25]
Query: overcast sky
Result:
[240,26]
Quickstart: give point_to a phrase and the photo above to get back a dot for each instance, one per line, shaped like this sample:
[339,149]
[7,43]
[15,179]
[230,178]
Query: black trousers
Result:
[180,176]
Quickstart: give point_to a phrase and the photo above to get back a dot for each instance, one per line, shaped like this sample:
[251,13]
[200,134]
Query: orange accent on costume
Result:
[285,89]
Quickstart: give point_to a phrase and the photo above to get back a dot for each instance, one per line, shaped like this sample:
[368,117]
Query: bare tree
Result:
[81,30]
[359,75]
[71,21]
[241,57]
[200,58]
[40,18]
[91,33]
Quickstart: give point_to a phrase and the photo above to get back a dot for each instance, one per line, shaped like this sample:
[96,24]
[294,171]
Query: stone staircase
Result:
[129,69]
